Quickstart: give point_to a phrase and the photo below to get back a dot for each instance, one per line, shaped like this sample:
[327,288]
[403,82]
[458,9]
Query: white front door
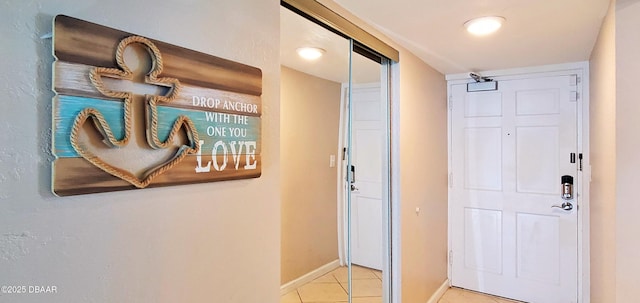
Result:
[368,147]
[509,151]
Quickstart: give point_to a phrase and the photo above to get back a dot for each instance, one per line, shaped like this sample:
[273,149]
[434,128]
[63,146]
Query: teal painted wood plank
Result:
[211,127]
[66,108]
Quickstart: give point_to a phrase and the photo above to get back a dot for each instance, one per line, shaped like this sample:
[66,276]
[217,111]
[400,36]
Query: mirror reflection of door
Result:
[368,185]
[332,234]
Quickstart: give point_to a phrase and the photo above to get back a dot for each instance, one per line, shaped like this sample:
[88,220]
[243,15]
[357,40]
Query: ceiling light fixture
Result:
[310,53]
[484,25]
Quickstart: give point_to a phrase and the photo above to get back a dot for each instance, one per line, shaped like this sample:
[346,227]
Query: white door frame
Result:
[582,70]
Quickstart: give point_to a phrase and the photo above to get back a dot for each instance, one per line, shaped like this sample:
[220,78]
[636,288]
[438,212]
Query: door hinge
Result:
[574,96]
[451,257]
[450,102]
[574,80]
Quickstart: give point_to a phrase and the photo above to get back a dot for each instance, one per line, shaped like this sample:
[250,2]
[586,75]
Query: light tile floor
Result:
[332,287]
[367,288]
[458,295]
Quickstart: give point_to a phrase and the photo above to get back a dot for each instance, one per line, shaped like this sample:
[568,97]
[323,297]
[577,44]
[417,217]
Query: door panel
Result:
[364,211]
[483,158]
[483,250]
[538,247]
[367,143]
[367,157]
[483,105]
[509,150]
[536,159]
[537,102]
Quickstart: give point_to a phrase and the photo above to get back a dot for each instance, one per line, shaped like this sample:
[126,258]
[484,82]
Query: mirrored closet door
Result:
[367,177]
[334,165]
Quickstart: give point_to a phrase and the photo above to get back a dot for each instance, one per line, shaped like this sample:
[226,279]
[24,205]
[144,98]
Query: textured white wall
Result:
[602,205]
[215,242]
[627,148]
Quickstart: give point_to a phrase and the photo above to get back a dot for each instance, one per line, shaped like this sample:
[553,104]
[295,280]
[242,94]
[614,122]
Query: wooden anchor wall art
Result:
[132,112]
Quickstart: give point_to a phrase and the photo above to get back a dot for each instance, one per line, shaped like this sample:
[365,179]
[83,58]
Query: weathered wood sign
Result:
[175,117]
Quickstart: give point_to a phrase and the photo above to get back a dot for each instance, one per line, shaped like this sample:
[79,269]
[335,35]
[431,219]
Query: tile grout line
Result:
[299,296]
[336,280]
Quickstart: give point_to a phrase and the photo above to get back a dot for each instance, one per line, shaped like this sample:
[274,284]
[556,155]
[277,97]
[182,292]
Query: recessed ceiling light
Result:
[310,53]
[484,25]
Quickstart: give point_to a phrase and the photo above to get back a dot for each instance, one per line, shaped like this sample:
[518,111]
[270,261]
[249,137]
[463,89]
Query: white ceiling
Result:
[536,32]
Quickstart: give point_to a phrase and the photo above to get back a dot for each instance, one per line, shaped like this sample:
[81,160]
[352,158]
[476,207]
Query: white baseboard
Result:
[440,292]
[310,276]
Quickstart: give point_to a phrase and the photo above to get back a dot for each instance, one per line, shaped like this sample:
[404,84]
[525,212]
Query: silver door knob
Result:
[565,206]
[353,188]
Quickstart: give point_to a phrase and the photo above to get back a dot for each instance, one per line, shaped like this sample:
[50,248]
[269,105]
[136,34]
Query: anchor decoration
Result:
[131,112]
[151,112]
